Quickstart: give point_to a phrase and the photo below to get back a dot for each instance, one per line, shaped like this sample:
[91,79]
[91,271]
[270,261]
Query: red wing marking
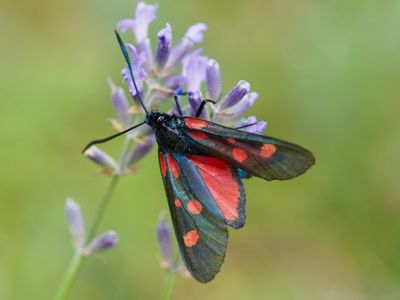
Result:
[195,123]
[231,140]
[163,165]
[239,154]
[194,207]
[178,203]
[191,238]
[217,176]
[267,150]
[197,135]
[173,165]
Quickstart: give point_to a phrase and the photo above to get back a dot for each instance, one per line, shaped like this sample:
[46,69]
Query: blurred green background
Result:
[328,74]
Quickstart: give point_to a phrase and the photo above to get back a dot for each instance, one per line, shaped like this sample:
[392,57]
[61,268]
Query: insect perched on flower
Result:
[203,162]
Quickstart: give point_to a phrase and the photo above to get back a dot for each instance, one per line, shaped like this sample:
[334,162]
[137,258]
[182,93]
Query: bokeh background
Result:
[328,74]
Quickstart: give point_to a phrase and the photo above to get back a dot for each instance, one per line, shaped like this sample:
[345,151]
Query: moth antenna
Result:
[128,61]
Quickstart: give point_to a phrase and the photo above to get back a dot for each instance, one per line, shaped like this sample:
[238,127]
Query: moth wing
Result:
[258,155]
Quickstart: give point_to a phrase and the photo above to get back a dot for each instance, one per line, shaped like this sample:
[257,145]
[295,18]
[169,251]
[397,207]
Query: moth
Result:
[202,166]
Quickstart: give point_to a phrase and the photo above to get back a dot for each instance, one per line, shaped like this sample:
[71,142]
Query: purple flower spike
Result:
[235,95]
[193,36]
[213,79]
[101,158]
[75,221]
[138,72]
[164,239]
[194,69]
[252,125]
[144,15]
[142,149]
[105,241]
[120,103]
[164,45]
[195,100]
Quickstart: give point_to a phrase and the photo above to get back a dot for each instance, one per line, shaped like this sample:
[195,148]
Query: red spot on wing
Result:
[196,123]
[163,165]
[197,135]
[178,203]
[194,207]
[231,140]
[191,238]
[173,165]
[239,154]
[267,150]
[217,176]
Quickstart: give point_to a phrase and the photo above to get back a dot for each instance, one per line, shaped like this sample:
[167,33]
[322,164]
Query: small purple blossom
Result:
[252,125]
[235,94]
[194,69]
[164,45]
[75,221]
[138,72]
[101,158]
[194,35]
[144,15]
[164,238]
[76,226]
[213,76]
[121,105]
[195,100]
[141,149]
[104,241]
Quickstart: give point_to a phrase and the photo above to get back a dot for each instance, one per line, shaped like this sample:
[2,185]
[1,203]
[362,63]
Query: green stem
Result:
[78,259]
[168,286]
[70,276]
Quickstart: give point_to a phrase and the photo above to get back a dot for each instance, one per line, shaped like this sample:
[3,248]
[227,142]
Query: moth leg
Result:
[244,126]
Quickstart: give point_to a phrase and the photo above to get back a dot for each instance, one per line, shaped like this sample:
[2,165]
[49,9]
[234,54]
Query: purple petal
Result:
[142,149]
[195,100]
[193,36]
[196,32]
[235,95]
[241,107]
[101,158]
[256,127]
[170,83]
[125,25]
[120,103]
[144,48]
[138,72]
[105,241]
[75,221]
[164,239]
[144,15]
[213,77]
[194,69]
[164,45]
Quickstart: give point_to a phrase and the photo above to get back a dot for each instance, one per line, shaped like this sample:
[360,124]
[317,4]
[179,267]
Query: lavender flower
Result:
[75,221]
[105,241]
[251,124]
[175,67]
[164,45]
[164,238]
[76,226]
[194,69]
[193,36]
[101,158]
[138,72]
[213,76]
[120,103]
[144,15]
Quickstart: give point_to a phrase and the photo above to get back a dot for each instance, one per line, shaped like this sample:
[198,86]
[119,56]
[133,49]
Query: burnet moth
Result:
[202,165]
